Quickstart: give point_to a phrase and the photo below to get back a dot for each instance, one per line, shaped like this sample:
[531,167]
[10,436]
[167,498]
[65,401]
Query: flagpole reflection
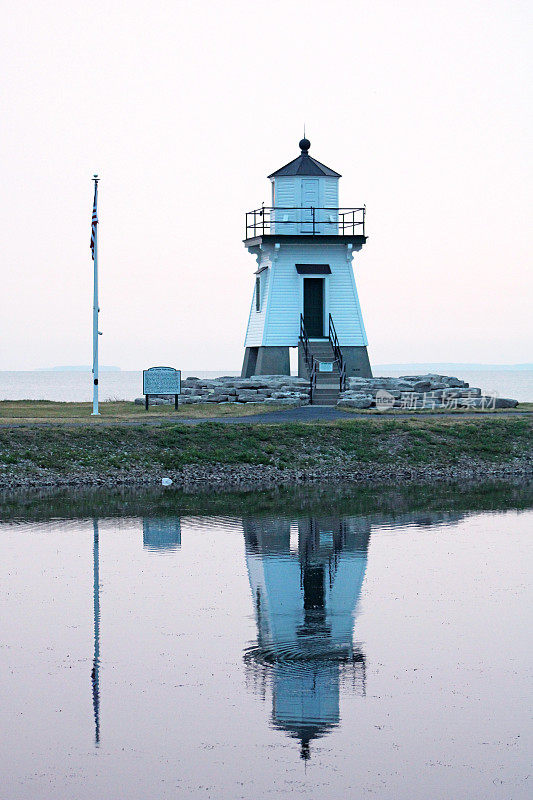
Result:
[95,672]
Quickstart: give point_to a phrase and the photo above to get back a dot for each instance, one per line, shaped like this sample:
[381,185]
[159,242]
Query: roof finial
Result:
[305,144]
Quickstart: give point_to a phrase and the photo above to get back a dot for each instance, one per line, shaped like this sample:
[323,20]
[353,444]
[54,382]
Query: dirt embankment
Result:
[262,456]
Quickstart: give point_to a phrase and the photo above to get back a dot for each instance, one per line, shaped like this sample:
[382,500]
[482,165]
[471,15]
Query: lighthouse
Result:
[304,290]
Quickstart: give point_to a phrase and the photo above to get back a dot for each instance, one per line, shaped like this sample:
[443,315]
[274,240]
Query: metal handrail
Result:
[262,220]
[312,380]
[342,377]
[334,341]
[310,360]
[304,338]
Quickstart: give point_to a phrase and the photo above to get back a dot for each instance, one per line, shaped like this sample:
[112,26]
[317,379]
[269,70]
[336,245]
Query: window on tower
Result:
[258,294]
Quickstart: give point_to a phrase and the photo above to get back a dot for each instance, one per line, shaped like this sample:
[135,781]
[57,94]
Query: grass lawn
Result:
[17,411]
[47,410]
[380,441]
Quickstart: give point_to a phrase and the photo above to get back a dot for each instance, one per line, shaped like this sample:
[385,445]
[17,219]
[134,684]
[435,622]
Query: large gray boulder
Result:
[459,392]
[505,402]
[282,401]
[356,401]
[432,378]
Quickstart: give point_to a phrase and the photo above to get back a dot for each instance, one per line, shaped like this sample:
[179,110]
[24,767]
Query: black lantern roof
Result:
[305,165]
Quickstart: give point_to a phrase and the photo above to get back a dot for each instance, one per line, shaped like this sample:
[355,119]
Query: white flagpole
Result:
[95,412]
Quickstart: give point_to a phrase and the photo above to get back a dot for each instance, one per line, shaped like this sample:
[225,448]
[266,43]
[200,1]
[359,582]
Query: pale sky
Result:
[184,108]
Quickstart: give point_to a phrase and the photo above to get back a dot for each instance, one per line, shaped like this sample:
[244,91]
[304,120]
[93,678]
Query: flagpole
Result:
[95,412]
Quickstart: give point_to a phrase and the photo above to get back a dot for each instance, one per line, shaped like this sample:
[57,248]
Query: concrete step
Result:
[326,355]
[326,393]
[324,401]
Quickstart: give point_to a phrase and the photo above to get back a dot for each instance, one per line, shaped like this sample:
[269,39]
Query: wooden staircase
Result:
[325,381]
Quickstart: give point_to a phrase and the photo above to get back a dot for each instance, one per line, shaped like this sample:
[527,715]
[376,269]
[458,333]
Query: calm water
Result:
[377,651]
[77,386]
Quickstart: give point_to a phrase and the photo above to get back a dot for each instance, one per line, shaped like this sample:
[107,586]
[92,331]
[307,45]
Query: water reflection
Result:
[140,679]
[95,672]
[161,533]
[306,579]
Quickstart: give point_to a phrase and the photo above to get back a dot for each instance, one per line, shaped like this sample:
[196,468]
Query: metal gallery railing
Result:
[305,220]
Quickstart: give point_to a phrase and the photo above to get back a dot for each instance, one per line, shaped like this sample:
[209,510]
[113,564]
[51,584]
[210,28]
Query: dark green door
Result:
[314,307]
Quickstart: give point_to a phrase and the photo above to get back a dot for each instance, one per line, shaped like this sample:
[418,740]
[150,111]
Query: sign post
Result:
[161,380]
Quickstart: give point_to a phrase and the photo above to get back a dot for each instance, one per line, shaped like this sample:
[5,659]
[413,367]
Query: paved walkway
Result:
[331,413]
[300,414]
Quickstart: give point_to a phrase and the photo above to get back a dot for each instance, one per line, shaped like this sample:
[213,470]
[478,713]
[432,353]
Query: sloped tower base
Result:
[357,362]
[266,361]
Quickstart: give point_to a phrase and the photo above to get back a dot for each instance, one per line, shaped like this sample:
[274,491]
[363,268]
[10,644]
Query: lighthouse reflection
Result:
[306,579]
[160,534]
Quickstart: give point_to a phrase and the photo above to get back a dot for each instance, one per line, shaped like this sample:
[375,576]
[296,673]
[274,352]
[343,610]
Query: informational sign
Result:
[162,380]
[325,366]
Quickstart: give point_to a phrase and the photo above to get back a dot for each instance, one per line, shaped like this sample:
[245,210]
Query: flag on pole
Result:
[95,219]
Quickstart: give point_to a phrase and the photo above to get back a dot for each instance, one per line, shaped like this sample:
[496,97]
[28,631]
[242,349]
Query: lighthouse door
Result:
[314,307]
[309,201]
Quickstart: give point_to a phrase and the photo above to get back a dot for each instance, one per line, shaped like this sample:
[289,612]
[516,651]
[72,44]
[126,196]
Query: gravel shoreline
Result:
[245,476]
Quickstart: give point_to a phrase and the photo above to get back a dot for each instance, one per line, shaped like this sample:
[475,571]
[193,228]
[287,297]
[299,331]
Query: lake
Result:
[76,386]
[358,643]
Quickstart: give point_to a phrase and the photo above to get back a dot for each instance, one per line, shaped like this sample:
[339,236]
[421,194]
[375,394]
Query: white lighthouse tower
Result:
[304,292]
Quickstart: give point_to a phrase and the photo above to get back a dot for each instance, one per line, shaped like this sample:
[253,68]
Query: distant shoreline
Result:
[418,367]
[72,369]
[445,367]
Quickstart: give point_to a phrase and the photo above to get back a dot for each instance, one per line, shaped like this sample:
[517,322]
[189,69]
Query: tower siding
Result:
[278,322]
[331,192]
[287,197]
[256,319]
[344,306]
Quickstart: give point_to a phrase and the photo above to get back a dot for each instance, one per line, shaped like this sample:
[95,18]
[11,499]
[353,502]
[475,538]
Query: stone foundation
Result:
[410,392]
[414,392]
[267,389]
